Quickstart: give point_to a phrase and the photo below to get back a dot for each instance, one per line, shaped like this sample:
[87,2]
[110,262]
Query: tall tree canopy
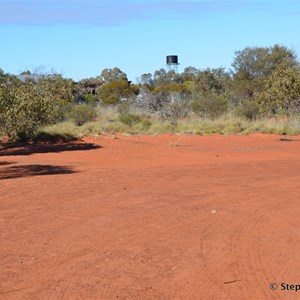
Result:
[252,65]
[113,74]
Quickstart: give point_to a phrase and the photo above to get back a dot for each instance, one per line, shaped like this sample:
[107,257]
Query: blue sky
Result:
[80,38]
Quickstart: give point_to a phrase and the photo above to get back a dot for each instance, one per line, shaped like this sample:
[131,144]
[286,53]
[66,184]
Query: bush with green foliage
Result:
[248,109]
[90,99]
[262,82]
[282,93]
[211,106]
[26,105]
[81,114]
[114,91]
[23,108]
[253,65]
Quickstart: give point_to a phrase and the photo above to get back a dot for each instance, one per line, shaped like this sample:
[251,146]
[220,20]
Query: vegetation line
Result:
[261,93]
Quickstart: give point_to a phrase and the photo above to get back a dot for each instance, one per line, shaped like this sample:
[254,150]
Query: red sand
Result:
[151,217]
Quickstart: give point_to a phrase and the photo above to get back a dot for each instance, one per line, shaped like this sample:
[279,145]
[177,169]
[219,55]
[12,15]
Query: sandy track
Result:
[151,217]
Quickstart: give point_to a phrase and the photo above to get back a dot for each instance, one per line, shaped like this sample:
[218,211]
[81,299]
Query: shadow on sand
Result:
[288,140]
[28,149]
[5,163]
[33,170]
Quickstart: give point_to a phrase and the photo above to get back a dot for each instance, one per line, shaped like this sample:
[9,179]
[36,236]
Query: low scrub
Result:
[130,119]
[211,106]
[248,109]
[65,131]
[193,124]
[81,114]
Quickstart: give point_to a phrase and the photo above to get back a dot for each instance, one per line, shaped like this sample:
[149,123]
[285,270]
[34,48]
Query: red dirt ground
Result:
[151,217]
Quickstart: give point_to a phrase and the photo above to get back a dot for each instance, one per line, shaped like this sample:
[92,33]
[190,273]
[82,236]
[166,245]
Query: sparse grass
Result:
[107,113]
[162,126]
[109,121]
[65,131]
[130,119]
[81,114]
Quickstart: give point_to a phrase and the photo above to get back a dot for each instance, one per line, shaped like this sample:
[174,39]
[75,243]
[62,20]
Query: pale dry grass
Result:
[108,121]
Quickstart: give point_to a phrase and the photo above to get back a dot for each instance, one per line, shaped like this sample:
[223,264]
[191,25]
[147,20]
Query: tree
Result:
[190,74]
[3,76]
[61,89]
[26,105]
[252,65]
[147,79]
[23,107]
[210,99]
[114,91]
[212,81]
[160,77]
[25,73]
[108,75]
[282,94]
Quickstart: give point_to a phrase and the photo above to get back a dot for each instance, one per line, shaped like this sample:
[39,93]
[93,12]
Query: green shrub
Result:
[90,99]
[210,106]
[113,91]
[248,109]
[60,112]
[81,114]
[130,119]
[23,108]
[27,105]
[282,93]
